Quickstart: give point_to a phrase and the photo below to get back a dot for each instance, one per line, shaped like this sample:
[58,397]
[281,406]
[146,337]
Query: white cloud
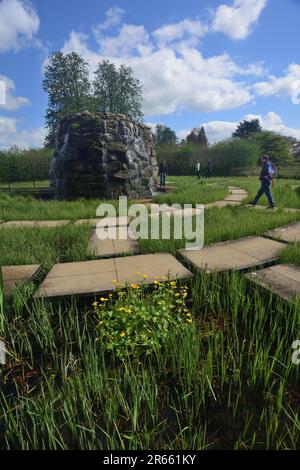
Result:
[187,31]
[11,135]
[220,130]
[288,85]
[11,102]
[113,17]
[273,122]
[19,23]
[176,76]
[236,21]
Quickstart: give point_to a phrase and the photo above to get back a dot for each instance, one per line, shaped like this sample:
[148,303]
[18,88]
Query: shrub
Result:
[233,153]
[18,165]
[139,322]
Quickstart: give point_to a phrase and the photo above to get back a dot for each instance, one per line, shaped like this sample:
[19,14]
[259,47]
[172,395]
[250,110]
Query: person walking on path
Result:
[266,177]
[198,169]
[208,169]
[162,171]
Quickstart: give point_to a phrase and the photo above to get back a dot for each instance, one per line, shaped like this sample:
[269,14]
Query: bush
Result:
[137,322]
[181,159]
[18,165]
[233,153]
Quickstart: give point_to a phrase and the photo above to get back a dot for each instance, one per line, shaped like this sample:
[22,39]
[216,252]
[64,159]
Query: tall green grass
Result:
[44,246]
[227,382]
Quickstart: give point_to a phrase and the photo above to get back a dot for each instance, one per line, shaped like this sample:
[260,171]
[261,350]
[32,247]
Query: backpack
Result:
[271,169]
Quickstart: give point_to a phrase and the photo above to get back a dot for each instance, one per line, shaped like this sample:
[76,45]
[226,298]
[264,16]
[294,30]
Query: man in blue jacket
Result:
[266,177]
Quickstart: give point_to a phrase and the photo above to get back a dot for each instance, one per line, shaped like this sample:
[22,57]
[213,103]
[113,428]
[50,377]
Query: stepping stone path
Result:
[105,222]
[112,247]
[16,276]
[288,233]
[35,223]
[94,277]
[282,279]
[235,198]
[258,207]
[234,255]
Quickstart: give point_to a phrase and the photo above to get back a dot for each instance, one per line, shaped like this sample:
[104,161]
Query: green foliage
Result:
[198,136]
[247,128]
[231,154]
[117,90]
[67,84]
[17,165]
[164,135]
[138,323]
[181,158]
[274,145]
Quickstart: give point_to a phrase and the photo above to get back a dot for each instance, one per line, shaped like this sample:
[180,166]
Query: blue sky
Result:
[201,62]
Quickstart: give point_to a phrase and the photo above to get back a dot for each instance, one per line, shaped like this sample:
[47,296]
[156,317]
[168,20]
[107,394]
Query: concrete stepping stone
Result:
[16,276]
[258,207]
[221,204]
[236,197]
[112,247]
[105,221]
[238,191]
[234,255]
[288,233]
[94,277]
[282,279]
[145,269]
[35,223]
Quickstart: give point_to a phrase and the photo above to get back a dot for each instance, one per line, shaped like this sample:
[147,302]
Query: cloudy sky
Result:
[202,62]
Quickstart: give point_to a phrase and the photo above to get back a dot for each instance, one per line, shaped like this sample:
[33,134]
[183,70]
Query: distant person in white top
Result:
[198,169]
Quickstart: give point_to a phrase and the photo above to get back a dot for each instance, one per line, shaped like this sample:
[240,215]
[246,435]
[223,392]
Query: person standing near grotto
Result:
[198,169]
[266,178]
[162,171]
[208,169]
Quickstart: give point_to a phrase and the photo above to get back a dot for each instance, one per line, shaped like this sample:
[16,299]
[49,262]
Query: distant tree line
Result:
[247,143]
[19,165]
[70,89]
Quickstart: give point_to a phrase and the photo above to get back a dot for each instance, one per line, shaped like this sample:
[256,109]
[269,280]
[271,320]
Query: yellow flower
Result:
[138,273]
[95,304]
[122,334]
[104,299]
[135,286]
[145,276]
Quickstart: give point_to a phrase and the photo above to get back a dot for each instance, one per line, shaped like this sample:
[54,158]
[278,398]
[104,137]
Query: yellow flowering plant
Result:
[137,321]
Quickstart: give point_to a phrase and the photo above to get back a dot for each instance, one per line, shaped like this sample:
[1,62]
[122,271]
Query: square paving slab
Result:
[234,255]
[224,203]
[282,279]
[288,233]
[112,246]
[236,197]
[94,277]
[35,223]
[16,276]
